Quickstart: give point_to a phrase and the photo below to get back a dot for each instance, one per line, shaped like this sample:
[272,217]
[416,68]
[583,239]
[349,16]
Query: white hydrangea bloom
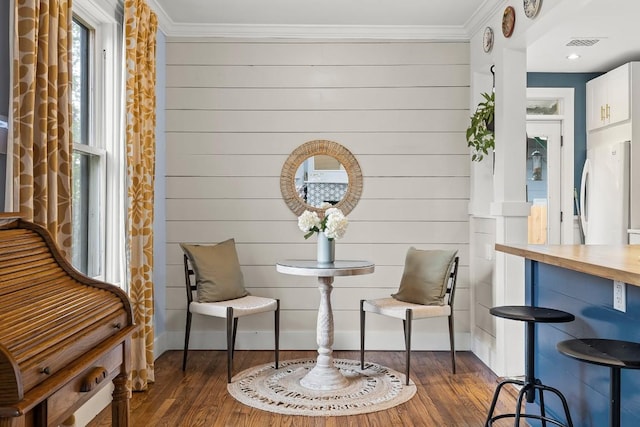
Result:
[308,220]
[336,225]
[332,211]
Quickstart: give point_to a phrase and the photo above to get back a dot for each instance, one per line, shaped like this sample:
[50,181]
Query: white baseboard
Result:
[484,347]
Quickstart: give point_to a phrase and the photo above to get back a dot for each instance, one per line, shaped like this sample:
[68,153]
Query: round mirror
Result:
[318,172]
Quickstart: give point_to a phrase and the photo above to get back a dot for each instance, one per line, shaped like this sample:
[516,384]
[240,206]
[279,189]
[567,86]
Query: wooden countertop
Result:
[620,262]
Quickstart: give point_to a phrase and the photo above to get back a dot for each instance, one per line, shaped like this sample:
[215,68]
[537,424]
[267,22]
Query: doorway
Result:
[550,190]
[543,181]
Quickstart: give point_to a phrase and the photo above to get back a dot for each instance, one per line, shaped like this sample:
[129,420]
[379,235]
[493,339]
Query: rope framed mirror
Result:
[308,178]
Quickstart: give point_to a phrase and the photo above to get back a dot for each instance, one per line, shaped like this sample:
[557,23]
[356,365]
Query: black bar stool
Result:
[530,315]
[605,352]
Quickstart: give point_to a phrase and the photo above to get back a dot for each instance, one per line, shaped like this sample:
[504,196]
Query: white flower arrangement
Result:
[333,224]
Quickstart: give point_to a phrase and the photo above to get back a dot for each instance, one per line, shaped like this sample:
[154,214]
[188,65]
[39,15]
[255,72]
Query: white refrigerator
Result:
[604,194]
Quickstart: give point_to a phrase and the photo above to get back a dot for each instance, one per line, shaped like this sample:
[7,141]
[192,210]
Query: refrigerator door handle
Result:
[583,197]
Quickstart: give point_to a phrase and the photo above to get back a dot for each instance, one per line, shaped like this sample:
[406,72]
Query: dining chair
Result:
[427,289]
[219,292]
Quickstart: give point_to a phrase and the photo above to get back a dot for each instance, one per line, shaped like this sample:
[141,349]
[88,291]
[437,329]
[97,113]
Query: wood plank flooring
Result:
[199,397]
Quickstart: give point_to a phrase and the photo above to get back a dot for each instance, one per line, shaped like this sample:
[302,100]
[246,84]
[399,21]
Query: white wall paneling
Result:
[235,109]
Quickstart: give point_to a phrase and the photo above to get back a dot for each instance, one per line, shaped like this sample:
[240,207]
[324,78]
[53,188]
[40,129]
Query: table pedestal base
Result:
[325,376]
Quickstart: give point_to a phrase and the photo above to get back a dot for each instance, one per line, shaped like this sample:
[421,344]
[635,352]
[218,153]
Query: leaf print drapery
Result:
[140,38]
[41,144]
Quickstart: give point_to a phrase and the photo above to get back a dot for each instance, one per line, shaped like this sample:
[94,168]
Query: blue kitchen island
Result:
[580,279]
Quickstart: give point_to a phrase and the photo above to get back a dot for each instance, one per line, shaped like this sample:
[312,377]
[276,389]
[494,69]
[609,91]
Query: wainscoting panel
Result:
[236,108]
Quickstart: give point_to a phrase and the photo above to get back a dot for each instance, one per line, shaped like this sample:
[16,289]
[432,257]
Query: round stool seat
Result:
[532,314]
[614,354]
[605,352]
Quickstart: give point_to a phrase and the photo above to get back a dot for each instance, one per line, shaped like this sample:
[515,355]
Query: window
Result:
[96,247]
[88,161]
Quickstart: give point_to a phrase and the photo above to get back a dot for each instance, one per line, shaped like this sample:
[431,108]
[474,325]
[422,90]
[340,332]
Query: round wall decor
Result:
[487,39]
[508,21]
[531,8]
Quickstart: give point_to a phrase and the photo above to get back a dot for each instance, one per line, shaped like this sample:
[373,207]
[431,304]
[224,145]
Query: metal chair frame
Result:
[231,324]
[408,320]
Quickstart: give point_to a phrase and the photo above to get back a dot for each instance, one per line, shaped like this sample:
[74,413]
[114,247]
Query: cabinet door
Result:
[596,102]
[617,107]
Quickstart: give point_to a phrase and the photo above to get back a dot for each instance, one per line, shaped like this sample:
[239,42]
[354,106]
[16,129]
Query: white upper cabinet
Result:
[608,98]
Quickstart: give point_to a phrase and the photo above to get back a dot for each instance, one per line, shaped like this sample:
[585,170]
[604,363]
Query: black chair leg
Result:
[362,319]
[230,342]
[235,333]
[187,332]
[407,341]
[452,342]
[277,332]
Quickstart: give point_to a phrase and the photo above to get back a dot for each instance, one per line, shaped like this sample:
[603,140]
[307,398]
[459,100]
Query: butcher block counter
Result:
[580,279]
[621,262]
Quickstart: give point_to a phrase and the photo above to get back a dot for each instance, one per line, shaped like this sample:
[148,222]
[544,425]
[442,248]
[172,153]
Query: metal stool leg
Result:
[614,410]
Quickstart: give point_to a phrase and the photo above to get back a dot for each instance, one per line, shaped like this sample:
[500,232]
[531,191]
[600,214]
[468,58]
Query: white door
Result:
[544,178]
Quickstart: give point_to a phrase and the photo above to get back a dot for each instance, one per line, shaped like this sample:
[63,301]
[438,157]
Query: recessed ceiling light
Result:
[573,56]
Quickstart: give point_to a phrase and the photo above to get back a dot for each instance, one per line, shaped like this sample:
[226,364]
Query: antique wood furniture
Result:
[63,336]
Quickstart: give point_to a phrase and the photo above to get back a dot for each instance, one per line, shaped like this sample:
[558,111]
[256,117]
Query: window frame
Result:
[104,20]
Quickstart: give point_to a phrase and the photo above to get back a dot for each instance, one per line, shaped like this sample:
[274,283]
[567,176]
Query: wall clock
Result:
[508,21]
[487,39]
[531,8]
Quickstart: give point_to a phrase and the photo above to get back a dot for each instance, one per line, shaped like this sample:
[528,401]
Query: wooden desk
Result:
[325,376]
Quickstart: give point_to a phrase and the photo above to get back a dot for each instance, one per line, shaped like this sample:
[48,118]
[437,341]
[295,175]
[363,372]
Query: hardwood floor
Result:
[199,397]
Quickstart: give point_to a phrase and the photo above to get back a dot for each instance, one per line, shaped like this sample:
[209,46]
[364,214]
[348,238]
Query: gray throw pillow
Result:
[425,276]
[217,270]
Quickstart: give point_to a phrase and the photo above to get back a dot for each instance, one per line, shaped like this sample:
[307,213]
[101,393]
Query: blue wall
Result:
[578,82]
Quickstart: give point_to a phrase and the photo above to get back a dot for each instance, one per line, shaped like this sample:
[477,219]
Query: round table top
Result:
[302,267]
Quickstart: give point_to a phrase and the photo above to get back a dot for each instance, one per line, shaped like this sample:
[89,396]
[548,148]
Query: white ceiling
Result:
[616,24]
[322,12]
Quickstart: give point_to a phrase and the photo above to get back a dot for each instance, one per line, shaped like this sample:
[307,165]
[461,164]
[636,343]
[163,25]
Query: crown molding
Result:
[318,31]
[407,32]
[487,10]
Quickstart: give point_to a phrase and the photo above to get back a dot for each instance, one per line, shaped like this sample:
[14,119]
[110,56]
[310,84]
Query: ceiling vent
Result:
[582,42]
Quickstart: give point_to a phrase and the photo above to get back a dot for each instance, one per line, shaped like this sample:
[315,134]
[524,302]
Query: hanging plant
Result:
[480,136]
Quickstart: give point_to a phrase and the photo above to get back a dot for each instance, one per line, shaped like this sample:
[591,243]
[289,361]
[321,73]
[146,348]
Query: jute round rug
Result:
[278,390]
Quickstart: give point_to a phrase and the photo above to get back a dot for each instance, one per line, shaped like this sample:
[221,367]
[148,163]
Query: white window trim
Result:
[105,18]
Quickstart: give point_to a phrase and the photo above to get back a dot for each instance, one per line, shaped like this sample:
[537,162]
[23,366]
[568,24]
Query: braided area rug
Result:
[278,390]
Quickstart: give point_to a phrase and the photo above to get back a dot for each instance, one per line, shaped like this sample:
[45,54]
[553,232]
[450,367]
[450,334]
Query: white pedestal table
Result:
[324,376]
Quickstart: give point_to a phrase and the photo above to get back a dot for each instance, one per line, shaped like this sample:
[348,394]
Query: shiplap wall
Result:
[235,109]
[483,241]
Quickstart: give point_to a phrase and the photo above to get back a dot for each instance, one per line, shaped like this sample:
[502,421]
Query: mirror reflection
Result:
[321,179]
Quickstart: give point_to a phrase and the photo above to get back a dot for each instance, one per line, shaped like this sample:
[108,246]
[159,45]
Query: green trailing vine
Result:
[480,135]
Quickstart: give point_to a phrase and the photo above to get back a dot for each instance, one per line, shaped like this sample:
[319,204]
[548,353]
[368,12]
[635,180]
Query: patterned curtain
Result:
[41,143]
[140,31]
